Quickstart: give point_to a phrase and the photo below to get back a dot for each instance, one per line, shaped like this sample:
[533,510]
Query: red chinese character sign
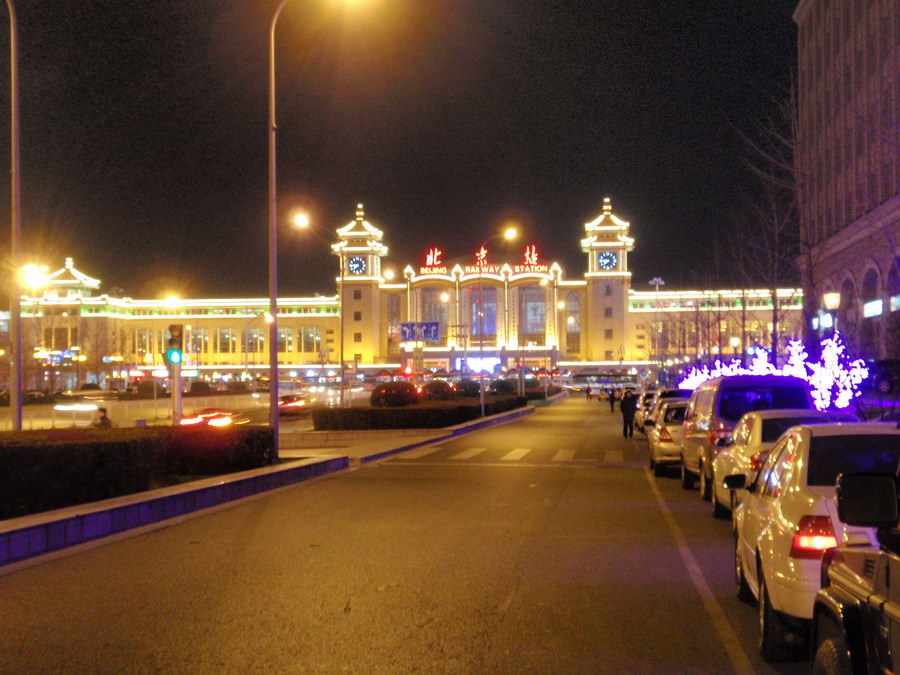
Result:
[530,262]
[433,262]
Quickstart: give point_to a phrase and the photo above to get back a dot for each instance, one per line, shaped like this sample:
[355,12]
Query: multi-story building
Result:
[494,309]
[848,147]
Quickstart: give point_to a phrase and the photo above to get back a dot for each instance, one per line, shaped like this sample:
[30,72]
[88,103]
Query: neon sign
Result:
[530,262]
[433,262]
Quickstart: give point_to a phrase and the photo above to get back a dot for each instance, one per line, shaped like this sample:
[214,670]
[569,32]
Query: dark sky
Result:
[144,130]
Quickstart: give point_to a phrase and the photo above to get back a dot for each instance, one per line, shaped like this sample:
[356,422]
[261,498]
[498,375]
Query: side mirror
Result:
[867,499]
[736,481]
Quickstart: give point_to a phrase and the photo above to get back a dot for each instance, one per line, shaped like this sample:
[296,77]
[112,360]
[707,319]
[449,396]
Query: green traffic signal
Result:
[173,356]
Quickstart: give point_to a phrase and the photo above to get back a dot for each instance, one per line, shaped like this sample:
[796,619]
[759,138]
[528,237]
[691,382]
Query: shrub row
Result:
[431,416]
[51,469]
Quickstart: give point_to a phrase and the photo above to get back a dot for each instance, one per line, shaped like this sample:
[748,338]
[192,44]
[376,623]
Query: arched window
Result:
[434,308]
[872,311]
[483,313]
[572,318]
[532,315]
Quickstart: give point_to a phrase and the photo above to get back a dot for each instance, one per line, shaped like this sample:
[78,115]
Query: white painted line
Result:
[468,454]
[515,455]
[564,456]
[614,456]
[733,646]
[422,452]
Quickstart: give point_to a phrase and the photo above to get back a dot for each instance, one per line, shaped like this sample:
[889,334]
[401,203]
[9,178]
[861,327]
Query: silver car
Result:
[664,434]
[752,438]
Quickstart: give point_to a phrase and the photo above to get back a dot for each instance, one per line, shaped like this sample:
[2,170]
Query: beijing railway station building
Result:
[496,310]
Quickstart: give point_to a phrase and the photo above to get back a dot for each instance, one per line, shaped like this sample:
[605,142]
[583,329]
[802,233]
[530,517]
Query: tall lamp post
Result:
[509,234]
[273,243]
[15,314]
[656,282]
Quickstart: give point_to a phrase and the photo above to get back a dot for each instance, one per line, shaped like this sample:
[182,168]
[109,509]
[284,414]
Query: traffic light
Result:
[175,344]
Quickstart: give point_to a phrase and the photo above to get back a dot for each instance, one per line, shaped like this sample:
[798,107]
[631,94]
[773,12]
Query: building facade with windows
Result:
[848,168]
[493,310]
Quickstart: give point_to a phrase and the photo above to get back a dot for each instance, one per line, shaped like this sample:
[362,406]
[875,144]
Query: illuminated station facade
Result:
[497,309]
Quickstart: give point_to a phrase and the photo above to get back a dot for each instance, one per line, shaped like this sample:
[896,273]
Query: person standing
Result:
[628,406]
[612,400]
[102,419]
[587,392]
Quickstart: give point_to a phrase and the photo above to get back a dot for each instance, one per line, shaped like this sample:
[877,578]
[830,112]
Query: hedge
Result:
[51,469]
[431,416]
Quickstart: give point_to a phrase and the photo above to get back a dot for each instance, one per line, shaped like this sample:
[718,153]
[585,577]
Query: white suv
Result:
[788,519]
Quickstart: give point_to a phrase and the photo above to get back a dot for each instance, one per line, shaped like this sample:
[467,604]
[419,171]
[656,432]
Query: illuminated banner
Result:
[433,262]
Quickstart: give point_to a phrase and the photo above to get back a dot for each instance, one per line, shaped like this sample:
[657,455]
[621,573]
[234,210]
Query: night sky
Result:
[144,138]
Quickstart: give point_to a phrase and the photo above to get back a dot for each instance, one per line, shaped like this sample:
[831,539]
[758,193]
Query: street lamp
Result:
[508,234]
[15,314]
[656,282]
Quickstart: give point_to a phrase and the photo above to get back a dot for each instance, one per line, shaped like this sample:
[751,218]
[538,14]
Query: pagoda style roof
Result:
[360,228]
[69,277]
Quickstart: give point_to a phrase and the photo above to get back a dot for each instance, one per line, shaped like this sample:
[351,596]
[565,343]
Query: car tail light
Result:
[814,536]
[757,459]
[219,421]
[665,436]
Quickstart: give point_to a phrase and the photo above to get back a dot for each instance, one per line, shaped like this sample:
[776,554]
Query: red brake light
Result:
[665,436]
[814,536]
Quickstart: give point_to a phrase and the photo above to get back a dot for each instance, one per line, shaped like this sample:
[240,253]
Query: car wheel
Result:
[832,657]
[743,588]
[659,470]
[775,640]
[687,478]
[705,485]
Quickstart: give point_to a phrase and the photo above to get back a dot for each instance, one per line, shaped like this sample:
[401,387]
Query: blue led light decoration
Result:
[834,379]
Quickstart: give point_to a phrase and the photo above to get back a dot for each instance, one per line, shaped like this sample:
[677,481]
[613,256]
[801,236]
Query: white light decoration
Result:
[834,380]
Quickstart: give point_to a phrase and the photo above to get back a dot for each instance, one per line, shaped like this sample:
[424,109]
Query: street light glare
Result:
[510,233]
[33,276]
[301,220]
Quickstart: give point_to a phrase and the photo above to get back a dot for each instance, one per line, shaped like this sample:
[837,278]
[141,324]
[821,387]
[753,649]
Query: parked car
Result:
[752,438]
[789,518]
[856,615]
[664,434]
[643,409]
[661,395]
[717,405]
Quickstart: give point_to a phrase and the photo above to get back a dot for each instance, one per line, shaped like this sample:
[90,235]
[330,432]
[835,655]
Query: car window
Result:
[735,400]
[763,474]
[741,434]
[675,413]
[830,456]
[774,484]
[773,428]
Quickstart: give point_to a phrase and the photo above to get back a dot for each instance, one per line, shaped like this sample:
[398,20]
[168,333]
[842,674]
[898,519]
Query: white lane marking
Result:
[614,456]
[515,455]
[733,646]
[423,452]
[564,456]
[468,454]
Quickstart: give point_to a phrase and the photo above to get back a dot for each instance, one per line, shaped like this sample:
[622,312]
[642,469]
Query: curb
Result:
[30,536]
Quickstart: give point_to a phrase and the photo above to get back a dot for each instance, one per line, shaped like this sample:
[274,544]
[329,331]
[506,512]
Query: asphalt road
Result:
[542,545]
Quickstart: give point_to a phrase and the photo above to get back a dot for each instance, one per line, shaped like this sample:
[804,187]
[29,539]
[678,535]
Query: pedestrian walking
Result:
[587,392]
[612,400]
[628,406]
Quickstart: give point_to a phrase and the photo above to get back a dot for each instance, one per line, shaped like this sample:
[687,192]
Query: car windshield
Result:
[830,456]
[677,393]
[738,400]
[773,428]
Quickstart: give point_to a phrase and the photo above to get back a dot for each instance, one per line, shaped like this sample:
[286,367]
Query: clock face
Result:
[607,260]
[357,265]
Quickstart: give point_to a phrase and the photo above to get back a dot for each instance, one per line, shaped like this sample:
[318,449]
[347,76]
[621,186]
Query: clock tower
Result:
[607,244]
[359,250]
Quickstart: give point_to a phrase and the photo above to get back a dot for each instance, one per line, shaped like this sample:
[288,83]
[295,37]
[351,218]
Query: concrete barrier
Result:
[29,536]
